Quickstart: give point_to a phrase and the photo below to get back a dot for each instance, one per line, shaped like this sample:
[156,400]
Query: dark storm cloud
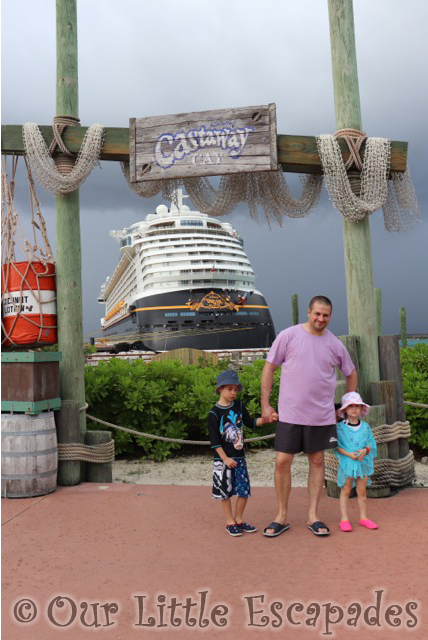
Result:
[144,58]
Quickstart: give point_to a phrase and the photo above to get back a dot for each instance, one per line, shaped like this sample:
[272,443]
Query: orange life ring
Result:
[29,304]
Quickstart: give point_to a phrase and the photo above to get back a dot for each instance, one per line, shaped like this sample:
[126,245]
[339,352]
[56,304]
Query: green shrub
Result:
[164,398]
[414,371]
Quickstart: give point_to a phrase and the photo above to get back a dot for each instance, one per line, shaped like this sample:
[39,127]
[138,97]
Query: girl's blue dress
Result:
[351,440]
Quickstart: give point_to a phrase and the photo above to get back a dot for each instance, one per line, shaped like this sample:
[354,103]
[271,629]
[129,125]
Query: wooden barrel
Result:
[29,456]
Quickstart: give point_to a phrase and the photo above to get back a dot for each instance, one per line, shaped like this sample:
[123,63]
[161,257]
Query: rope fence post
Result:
[68,431]
[95,471]
[295,308]
[403,326]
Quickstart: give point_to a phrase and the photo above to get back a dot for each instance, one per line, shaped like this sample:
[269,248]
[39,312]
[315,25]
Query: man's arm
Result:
[351,381]
[266,385]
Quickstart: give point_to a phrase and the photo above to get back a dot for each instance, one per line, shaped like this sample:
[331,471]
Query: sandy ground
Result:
[196,470]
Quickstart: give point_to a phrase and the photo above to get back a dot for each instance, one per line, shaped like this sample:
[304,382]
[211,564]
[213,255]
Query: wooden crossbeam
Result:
[296,154]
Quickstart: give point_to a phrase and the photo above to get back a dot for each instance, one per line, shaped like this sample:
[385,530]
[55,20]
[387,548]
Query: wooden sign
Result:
[205,143]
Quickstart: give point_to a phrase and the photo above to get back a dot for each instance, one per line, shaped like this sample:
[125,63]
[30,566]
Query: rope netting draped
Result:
[28,286]
[356,194]
[267,190]
[63,172]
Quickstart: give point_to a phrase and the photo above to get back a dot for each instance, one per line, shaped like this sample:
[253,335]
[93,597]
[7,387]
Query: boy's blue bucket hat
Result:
[228,377]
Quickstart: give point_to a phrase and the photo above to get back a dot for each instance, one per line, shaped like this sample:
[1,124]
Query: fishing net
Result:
[64,172]
[28,286]
[356,188]
[267,190]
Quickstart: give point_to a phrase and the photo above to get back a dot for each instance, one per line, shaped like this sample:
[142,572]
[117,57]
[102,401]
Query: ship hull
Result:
[200,319]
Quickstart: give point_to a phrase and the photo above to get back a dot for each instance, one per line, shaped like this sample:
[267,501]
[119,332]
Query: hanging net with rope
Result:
[63,172]
[356,194]
[28,286]
[367,189]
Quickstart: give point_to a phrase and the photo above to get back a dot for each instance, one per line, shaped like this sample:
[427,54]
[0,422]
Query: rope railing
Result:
[416,404]
[164,438]
[384,432]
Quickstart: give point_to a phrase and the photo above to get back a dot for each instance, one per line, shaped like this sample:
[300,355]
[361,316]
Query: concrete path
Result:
[123,552]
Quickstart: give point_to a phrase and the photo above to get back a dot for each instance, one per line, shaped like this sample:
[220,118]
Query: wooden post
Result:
[376,418]
[356,235]
[390,368]
[98,471]
[378,299]
[403,327]
[69,287]
[295,308]
[68,431]
[352,346]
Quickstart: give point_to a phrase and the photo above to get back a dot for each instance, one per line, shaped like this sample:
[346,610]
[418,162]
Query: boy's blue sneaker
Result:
[247,528]
[233,530]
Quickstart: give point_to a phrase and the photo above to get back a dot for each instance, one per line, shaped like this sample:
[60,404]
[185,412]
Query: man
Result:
[308,354]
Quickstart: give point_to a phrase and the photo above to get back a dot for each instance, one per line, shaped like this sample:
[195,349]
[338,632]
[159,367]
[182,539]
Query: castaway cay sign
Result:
[203,143]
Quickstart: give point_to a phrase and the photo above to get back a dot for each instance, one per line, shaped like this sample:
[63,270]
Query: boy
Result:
[230,475]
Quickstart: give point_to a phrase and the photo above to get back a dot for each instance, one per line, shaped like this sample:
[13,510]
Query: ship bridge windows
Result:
[126,241]
[192,223]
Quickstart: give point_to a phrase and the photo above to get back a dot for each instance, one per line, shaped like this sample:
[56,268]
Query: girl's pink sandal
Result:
[345,525]
[365,522]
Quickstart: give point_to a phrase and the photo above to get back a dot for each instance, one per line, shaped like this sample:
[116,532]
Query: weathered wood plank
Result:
[296,154]
[239,115]
[229,140]
[390,369]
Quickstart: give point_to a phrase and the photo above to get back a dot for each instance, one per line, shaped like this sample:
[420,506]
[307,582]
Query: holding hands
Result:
[269,415]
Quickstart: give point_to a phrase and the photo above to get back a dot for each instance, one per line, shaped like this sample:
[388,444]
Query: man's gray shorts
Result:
[293,438]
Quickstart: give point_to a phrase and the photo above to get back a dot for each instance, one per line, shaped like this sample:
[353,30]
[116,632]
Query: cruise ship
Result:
[183,280]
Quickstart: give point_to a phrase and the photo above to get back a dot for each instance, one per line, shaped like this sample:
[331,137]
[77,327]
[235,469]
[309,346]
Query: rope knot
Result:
[65,160]
[354,139]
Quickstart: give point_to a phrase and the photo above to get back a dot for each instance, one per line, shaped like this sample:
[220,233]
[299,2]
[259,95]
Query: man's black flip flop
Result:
[316,526]
[277,527]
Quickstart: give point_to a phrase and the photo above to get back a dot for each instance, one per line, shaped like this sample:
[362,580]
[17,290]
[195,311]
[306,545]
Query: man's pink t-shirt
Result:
[308,378]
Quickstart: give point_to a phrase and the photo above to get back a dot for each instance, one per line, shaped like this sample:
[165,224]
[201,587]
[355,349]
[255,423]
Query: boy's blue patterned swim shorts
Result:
[231,482]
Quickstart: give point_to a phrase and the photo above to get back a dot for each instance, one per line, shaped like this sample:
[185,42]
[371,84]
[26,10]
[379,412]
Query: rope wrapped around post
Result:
[100,453]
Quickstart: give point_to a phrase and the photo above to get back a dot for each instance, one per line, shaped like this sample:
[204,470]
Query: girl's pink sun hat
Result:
[353,398]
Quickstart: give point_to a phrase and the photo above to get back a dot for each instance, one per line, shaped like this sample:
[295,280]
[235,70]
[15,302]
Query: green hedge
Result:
[414,371]
[171,399]
[165,398]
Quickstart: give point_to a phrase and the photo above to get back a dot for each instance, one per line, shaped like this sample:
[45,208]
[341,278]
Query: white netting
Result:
[401,210]
[355,194]
[373,179]
[44,167]
[267,190]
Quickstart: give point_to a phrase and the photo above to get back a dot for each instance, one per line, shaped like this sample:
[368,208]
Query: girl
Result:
[356,449]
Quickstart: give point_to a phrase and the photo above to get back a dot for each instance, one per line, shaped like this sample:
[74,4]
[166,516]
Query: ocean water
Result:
[411,343]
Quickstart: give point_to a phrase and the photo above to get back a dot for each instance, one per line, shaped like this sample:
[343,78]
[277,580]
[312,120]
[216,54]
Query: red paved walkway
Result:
[108,545]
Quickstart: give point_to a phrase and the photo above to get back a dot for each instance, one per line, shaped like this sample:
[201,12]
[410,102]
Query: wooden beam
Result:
[296,154]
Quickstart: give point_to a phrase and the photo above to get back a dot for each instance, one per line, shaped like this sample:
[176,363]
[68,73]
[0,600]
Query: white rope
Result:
[43,165]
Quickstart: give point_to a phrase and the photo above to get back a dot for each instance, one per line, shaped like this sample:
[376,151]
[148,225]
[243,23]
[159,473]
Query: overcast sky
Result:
[141,58]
